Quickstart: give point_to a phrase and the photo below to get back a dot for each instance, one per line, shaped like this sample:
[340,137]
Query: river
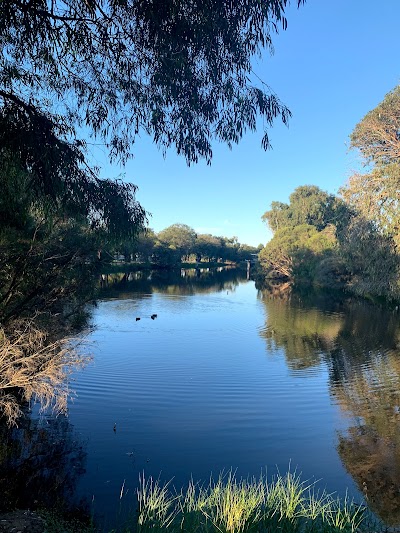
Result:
[224,377]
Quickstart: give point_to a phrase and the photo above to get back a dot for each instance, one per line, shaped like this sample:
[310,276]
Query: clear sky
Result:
[336,61]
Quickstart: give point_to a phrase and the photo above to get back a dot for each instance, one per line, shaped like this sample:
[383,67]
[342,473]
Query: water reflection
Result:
[181,282]
[40,464]
[360,344]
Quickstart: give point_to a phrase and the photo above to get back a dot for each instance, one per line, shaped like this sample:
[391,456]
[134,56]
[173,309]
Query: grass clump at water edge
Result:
[286,504]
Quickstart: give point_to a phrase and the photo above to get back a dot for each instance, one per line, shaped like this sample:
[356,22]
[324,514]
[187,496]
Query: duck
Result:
[137,318]
[154,316]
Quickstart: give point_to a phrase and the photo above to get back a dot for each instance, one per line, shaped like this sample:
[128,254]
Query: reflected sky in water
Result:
[228,376]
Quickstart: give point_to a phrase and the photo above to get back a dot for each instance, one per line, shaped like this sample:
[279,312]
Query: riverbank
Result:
[116,267]
[228,504]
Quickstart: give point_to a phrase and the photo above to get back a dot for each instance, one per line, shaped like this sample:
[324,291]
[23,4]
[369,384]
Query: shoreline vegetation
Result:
[125,267]
[348,241]
[232,505]
[285,504]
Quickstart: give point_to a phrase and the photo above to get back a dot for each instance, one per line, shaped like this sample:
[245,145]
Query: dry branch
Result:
[35,367]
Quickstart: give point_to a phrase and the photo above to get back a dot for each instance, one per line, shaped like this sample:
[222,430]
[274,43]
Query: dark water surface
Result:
[227,377]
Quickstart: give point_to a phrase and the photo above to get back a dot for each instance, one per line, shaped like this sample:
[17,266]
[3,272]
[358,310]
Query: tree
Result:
[143,246]
[371,258]
[179,237]
[55,214]
[375,195]
[42,173]
[207,246]
[377,135]
[179,71]
[308,205]
[278,217]
[294,253]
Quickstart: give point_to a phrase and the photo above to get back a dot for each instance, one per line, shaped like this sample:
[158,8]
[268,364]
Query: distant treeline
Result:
[352,240]
[180,243]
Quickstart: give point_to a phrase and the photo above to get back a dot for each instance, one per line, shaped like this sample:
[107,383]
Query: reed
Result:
[157,508]
[231,505]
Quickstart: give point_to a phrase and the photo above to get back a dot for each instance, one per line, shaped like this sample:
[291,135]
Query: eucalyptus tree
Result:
[375,194]
[207,246]
[377,135]
[371,242]
[180,71]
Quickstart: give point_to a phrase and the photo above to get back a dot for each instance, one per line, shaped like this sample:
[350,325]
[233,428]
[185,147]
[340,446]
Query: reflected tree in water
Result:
[176,283]
[360,345]
[370,448]
[40,464]
[305,334]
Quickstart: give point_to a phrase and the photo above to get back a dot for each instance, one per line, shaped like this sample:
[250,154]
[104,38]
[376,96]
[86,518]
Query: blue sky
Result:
[334,63]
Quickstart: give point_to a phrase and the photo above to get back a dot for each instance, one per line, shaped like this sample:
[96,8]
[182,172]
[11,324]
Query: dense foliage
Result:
[350,241]
[305,237]
[376,194]
[180,243]
[179,71]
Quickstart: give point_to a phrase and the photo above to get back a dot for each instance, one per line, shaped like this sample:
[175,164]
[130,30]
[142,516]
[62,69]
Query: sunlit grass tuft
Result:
[234,505]
[157,507]
[231,505]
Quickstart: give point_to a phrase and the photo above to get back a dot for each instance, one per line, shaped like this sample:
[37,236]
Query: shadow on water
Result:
[181,282]
[40,464]
[360,345]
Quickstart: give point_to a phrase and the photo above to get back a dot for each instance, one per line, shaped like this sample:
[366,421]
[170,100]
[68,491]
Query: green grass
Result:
[231,505]
[285,504]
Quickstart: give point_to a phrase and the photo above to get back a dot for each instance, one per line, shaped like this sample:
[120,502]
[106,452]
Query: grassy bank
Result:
[230,505]
[286,504]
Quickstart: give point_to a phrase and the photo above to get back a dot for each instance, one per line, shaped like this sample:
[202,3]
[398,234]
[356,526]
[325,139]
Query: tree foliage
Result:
[180,71]
[354,250]
[180,243]
[308,205]
[365,220]
[41,172]
[375,195]
[371,258]
[293,253]
[377,135]
[179,237]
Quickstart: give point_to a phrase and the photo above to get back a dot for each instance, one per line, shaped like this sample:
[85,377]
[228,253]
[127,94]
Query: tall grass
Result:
[231,505]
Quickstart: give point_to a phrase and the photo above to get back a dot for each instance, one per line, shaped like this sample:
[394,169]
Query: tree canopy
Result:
[40,171]
[376,194]
[308,205]
[180,237]
[294,252]
[180,71]
[377,135]
[334,242]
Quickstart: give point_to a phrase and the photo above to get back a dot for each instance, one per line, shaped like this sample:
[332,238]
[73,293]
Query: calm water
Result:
[225,377]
